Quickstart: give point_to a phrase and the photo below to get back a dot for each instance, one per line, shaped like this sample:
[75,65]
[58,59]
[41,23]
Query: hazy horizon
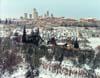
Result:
[66,8]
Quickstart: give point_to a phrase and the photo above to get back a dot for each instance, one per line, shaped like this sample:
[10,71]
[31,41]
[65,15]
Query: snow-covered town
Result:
[49,38]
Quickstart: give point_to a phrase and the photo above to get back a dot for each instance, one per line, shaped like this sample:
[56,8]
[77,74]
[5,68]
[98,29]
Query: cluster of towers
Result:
[34,15]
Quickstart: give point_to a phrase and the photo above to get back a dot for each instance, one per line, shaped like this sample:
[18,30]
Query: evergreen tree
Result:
[49,56]
[76,44]
[24,35]
[38,32]
[0,20]
[6,21]
[43,50]
[59,54]
[36,38]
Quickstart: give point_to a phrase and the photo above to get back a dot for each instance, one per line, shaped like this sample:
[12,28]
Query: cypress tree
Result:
[24,35]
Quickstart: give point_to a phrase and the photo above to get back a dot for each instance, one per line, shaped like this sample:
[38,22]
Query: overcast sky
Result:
[67,8]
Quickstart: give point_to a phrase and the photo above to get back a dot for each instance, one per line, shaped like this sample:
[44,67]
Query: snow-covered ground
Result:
[60,34]
[94,42]
[19,73]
